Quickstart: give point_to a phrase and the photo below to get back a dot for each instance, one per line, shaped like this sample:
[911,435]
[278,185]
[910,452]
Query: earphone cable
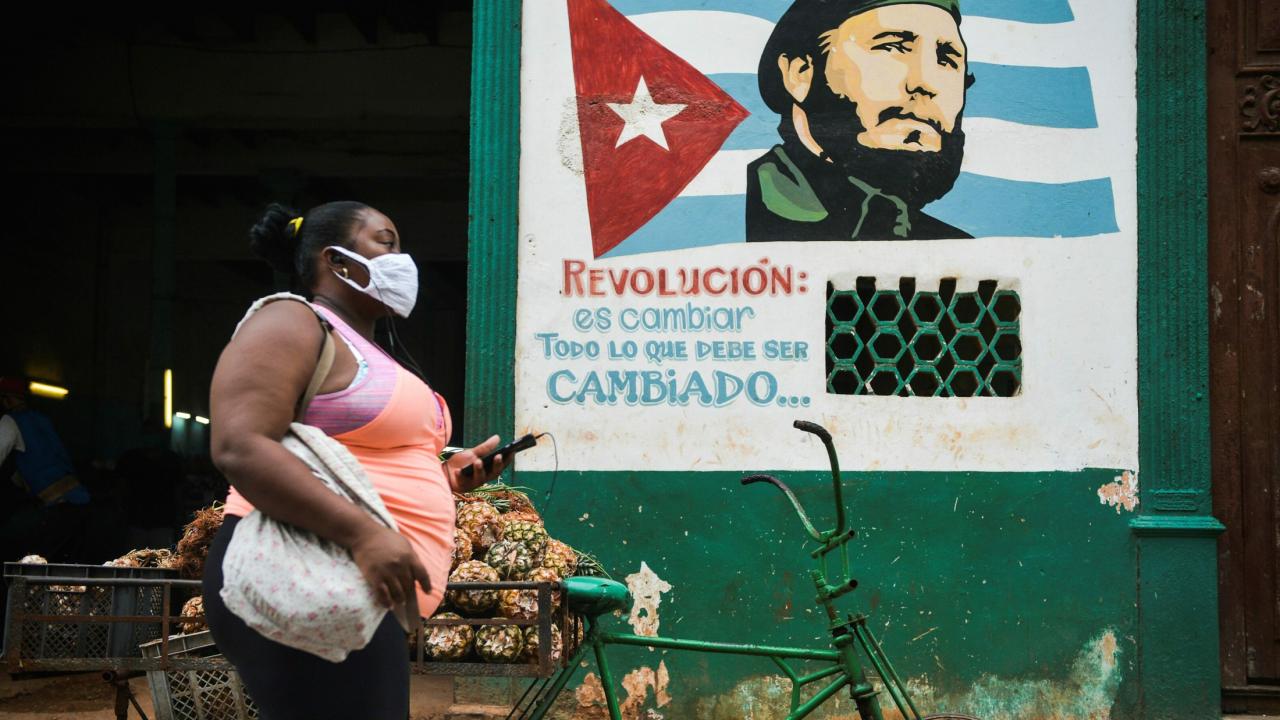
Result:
[555,469]
[401,352]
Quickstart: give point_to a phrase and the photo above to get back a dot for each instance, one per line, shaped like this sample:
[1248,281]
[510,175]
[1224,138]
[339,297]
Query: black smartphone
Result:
[507,452]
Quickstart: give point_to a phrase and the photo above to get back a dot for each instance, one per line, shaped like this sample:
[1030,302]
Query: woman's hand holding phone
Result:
[478,475]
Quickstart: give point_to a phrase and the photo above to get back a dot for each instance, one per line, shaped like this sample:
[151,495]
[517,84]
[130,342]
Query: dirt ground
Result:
[88,697]
[71,697]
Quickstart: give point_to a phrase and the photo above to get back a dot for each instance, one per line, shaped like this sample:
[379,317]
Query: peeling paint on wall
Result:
[589,695]
[1087,693]
[635,705]
[589,699]
[646,589]
[567,145]
[1122,493]
[638,682]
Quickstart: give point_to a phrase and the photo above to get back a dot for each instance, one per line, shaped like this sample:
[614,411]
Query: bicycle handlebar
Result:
[815,428]
[825,437]
[795,502]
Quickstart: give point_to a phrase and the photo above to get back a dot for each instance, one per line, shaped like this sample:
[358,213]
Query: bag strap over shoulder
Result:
[323,365]
[324,362]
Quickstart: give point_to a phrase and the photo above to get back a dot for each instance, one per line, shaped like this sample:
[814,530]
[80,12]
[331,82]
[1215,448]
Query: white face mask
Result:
[393,279]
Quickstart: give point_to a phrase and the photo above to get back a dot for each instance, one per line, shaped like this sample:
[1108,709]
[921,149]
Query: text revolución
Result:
[760,278]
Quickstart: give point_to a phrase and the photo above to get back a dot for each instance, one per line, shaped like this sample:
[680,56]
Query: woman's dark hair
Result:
[273,238]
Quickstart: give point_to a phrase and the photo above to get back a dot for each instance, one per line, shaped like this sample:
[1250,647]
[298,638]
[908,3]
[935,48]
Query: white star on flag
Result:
[644,117]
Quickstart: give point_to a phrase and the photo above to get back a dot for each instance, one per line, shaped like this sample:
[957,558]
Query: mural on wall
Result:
[869,97]
[842,121]
[680,157]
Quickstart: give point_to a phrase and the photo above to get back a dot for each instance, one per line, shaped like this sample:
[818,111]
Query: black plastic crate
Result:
[196,694]
[79,595]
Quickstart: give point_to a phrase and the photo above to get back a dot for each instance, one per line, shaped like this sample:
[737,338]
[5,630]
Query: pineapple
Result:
[153,558]
[523,531]
[462,550]
[193,607]
[449,642]
[500,643]
[560,557]
[523,604]
[197,536]
[589,566]
[511,559]
[146,558]
[524,515]
[479,520]
[518,604]
[473,601]
[530,653]
[460,500]
[547,575]
[506,498]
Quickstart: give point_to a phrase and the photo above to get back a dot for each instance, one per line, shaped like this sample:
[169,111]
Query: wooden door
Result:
[1244,283]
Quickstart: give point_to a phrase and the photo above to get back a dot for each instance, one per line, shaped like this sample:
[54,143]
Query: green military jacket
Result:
[815,200]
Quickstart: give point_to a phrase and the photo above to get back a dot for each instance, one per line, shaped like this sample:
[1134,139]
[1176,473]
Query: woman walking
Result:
[346,257]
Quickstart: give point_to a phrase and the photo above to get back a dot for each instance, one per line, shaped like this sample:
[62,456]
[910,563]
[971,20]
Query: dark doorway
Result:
[1244,268]
[141,142]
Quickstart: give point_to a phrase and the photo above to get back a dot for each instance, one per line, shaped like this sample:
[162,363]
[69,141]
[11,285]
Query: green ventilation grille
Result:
[927,343]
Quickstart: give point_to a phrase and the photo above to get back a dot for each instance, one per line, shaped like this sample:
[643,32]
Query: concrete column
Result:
[163,282]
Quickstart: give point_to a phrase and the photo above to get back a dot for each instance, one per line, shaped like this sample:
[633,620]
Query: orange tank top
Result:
[400,451]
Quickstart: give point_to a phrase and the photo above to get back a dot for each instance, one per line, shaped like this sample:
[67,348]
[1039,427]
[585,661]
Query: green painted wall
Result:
[1019,588]
[1046,602]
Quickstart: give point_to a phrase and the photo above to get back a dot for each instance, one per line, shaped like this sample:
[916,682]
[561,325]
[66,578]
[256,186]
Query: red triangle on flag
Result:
[634,96]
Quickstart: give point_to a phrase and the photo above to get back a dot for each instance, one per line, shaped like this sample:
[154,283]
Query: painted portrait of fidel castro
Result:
[870,96]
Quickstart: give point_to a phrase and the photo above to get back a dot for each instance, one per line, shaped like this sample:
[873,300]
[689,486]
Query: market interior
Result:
[140,144]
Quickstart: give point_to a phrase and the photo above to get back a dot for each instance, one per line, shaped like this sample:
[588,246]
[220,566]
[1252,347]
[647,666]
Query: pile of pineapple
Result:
[501,537]
[192,555]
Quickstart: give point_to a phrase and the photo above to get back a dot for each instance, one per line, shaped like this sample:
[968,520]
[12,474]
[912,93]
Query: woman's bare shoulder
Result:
[286,322]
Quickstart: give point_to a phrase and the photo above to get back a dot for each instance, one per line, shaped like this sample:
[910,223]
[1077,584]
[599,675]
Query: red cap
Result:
[13,386]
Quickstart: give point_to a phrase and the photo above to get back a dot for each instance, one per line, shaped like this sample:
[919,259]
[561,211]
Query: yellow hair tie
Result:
[296,224]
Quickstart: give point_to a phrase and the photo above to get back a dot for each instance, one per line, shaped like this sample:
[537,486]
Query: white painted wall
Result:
[1078,406]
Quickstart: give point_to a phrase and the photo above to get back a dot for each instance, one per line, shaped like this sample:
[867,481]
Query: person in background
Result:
[48,522]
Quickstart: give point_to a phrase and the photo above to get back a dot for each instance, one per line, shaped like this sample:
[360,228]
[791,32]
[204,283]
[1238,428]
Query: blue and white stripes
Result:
[1034,141]
[1024,11]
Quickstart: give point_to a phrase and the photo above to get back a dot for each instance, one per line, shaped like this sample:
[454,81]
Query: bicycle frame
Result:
[851,638]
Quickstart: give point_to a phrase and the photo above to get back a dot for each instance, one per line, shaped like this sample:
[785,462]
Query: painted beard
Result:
[917,177]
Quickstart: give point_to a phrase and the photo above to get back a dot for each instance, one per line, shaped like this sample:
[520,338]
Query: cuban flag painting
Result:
[848,120]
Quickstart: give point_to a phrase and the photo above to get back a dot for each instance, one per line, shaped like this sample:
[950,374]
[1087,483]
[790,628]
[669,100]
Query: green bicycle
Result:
[851,640]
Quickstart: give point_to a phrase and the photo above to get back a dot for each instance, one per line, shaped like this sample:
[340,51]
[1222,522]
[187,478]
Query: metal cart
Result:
[85,618]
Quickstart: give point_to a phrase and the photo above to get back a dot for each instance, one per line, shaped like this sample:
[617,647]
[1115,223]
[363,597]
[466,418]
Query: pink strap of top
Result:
[358,403]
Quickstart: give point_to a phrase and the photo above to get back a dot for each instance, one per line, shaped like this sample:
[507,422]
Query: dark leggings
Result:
[288,684]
